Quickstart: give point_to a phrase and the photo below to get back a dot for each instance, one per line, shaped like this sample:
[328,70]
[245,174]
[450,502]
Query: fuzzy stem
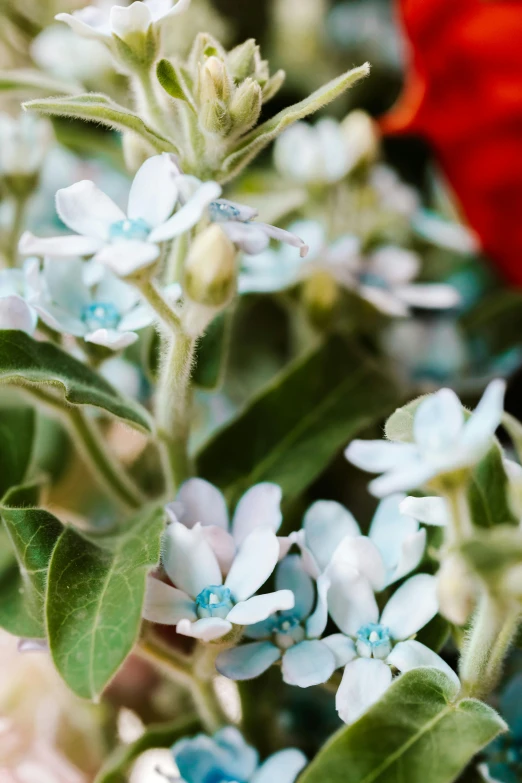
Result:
[168,317]
[20,205]
[150,102]
[461,526]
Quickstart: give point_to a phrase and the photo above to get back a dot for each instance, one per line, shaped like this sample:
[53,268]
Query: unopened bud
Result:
[215,83]
[320,297]
[241,60]
[245,106]
[360,136]
[273,85]
[210,271]
[215,118]
[456,590]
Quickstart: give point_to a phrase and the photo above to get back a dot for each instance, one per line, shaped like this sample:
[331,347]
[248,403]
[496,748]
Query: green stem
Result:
[94,450]
[461,526]
[168,317]
[20,204]
[152,106]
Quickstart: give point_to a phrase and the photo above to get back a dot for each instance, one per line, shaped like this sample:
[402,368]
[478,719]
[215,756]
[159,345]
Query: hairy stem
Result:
[20,205]
[461,526]
[149,100]
[168,317]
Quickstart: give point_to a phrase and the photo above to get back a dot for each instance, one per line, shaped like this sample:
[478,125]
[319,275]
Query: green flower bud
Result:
[456,590]
[215,118]
[210,271]
[242,60]
[320,296]
[359,131]
[215,83]
[245,106]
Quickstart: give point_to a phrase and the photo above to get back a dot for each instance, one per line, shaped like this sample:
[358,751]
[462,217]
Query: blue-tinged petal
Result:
[189,560]
[377,456]
[412,475]
[247,661]
[342,647]
[261,630]
[481,426]
[290,575]
[412,654]
[111,289]
[326,523]
[428,510]
[364,682]
[438,421]
[397,537]
[260,506]
[282,767]
[226,756]
[316,623]
[308,663]
[244,758]
[200,501]
[253,564]
[64,282]
[165,604]
[411,606]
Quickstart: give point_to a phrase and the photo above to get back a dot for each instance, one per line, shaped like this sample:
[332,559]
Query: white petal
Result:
[291,575]
[395,264]
[385,301]
[253,564]
[248,237]
[111,338]
[189,560]
[164,604]
[207,629]
[15,313]
[247,661]
[126,257]
[376,456]
[64,246]
[438,421]
[436,296]
[361,554]
[412,551]
[411,654]
[136,18]
[308,663]
[58,319]
[86,209]
[138,318]
[223,210]
[260,607]
[178,8]
[342,647]
[280,235]
[390,527]
[63,282]
[154,191]
[222,545]
[200,501]
[483,422]
[429,510]
[316,623]
[325,524]
[89,22]
[351,601]
[282,767]
[364,681]
[260,506]
[189,215]
[412,606]
[410,476]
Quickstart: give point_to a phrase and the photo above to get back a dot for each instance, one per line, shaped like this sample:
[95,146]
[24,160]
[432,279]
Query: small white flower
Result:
[199,551]
[61,53]
[373,642]
[102,23]
[108,313]
[443,442]
[24,142]
[17,286]
[126,242]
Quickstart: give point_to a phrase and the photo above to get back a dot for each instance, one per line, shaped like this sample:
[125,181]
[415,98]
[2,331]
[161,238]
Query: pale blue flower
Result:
[291,636]
[107,313]
[17,286]
[226,757]
[217,567]
[443,441]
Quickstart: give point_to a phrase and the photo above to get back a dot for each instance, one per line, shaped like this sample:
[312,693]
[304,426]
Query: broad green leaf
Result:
[212,352]
[253,142]
[33,533]
[399,426]
[162,735]
[24,361]
[171,79]
[293,429]
[95,595]
[28,79]
[419,731]
[17,441]
[488,492]
[98,108]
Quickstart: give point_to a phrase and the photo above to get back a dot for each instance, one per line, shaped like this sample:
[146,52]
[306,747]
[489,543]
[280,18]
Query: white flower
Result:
[17,286]
[327,151]
[126,242]
[61,53]
[443,442]
[330,535]
[199,551]
[393,194]
[108,313]
[373,642]
[101,23]
[24,142]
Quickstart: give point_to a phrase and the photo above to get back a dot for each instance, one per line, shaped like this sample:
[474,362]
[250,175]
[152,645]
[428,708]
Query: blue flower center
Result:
[373,641]
[288,631]
[214,601]
[373,280]
[130,229]
[100,315]
[220,212]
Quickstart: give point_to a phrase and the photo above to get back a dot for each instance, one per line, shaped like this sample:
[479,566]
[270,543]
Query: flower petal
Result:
[283,767]
[207,629]
[247,661]
[189,215]
[64,246]
[411,654]
[189,560]
[385,301]
[88,22]
[325,524]
[397,537]
[433,296]
[178,8]
[429,510]
[260,506]
[351,601]
[200,501]
[364,682]
[260,607]
[58,319]
[280,235]
[111,338]
[290,575]
[438,421]
[165,604]
[135,18]
[412,606]
[483,422]
[15,313]
[126,257]
[253,564]
[360,553]
[154,192]
[395,264]
[412,551]
[410,476]
[248,237]
[138,318]
[308,663]
[376,456]
[342,647]
[222,545]
[86,209]
[316,623]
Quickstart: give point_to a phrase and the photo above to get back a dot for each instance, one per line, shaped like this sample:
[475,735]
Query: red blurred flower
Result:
[464,94]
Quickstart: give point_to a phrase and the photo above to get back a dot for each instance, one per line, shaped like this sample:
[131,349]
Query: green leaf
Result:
[28,79]
[293,429]
[24,361]
[94,601]
[399,426]
[33,534]
[17,441]
[98,108]
[253,142]
[162,735]
[172,81]
[419,731]
[488,492]
[212,352]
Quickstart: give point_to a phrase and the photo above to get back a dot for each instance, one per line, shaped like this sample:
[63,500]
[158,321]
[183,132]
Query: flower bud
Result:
[360,137]
[320,297]
[215,118]
[210,271]
[215,83]
[245,106]
[241,60]
[456,590]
